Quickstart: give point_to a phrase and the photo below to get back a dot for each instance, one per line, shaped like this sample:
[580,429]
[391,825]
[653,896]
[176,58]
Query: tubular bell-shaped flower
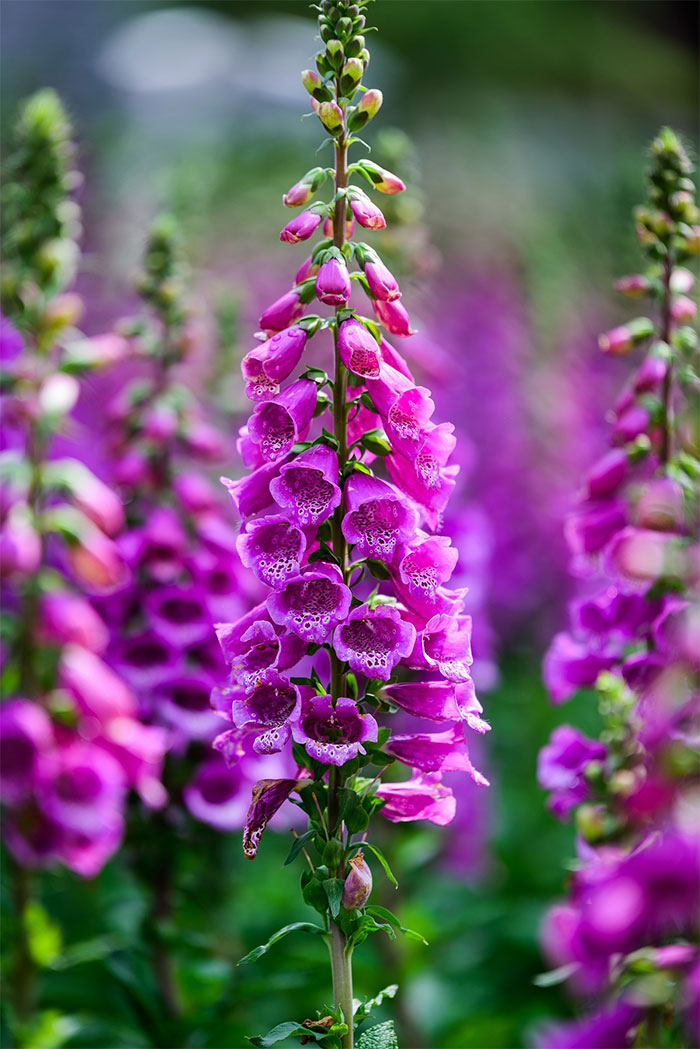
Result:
[377,517]
[374,640]
[312,603]
[332,733]
[273,547]
[306,488]
[278,424]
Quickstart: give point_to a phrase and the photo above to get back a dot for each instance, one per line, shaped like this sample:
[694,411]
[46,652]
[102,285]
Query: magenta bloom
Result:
[25,734]
[433,700]
[307,488]
[179,614]
[394,317]
[301,227]
[283,312]
[435,752]
[374,640]
[66,617]
[84,787]
[144,659]
[606,476]
[424,568]
[561,767]
[446,646]
[592,525]
[613,1027]
[427,480]
[98,691]
[358,349]
[253,647]
[382,282]
[313,603]
[273,548]
[333,735]
[251,494]
[277,425]
[272,361]
[405,409]
[365,211]
[570,665]
[333,282]
[182,702]
[377,517]
[267,711]
[422,797]
[268,797]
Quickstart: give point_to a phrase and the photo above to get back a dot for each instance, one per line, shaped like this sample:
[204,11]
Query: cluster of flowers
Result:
[71,741]
[314,493]
[185,573]
[627,936]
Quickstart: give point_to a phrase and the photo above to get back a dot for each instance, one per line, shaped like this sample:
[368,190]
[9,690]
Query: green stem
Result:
[666,394]
[23,970]
[341,966]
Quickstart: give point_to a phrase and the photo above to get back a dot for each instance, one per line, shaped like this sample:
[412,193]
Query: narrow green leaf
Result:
[297,845]
[382,859]
[258,952]
[277,1034]
[333,888]
[363,1009]
[387,915]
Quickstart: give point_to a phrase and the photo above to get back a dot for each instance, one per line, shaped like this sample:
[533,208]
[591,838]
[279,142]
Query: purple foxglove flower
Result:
[365,211]
[432,497]
[424,568]
[435,752]
[382,282]
[268,797]
[11,342]
[86,854]
[259,389]
[634,421]
[331,734]
[422,797]
[661,505]
[20,546]
[273,548]
[613,1026]
[394,317]
[675,631]
[606,476]
[25,735]
[94,497]
[251,494]
[432,700]
[394,359]
[144,660]
[277,425]
[161,423]
[33,839]
[140,750]
[374,640]
[377,517]
[592,525]
[253,647]
[445,645]
[307,488]
[307,269]
[98,691]
[96,562]
[178,615]
[405,409]
[650,374]
[277,357]
[570,665]
[358,349]
[313,603]
[283,312]
[470,708]
[202,439]
[640,555]
[220,796]
[301,227]
[84,786]
[66,617]
[358,884]
[333,282]
[164,544]
[195,492]
[561,767]
[182,702]
[268,711]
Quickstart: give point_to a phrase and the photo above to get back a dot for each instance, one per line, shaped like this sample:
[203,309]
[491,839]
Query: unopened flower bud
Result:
[301,227]
[683,309]
[351,74]
[621,340]
[692,240]
[328,228]
[315,86]
[63,311]
[661,505]
[334,53]
[682,281]
[383,180]
[358,884]
[354,46]
[331,116]
[303,190]
[333,282]
[634,287]
[590,823]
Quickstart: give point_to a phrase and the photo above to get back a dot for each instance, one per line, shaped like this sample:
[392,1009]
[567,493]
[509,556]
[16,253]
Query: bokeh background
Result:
[521,126]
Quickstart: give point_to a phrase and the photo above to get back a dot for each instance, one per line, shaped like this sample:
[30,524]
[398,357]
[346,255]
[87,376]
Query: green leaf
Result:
[555,976]
[381,1036]
[258,952]
[383,912]
[382,859]
[363,1009]
[43,935]
[277,1034]
[375,441]
[333,888]
[378,569]
[297,845]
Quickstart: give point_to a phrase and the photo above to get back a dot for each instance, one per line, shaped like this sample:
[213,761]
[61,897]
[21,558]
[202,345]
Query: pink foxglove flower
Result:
[374,640]
[278,424]
[358,349]
[378,518]
[333,282]
[333,734]
[312,603]
[306,488]
[273,548]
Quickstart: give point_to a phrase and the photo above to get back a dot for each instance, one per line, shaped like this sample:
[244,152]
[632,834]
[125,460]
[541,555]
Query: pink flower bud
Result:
[96,562]
[650,374]
[20,546]
[384,181]
[303,190]
[661,505]
[394,317]
[683,309]
[634,287]
[607,474]
[682,281]
[370,104]
[311,80]
[328,228]
[616,341]
[382,282]
[132,468]
[300,228]
[366,212]
[331,116]
[358,884]
[99,351]
[203,439]
[160,423]
[282,313]
[306,270]
[333,282]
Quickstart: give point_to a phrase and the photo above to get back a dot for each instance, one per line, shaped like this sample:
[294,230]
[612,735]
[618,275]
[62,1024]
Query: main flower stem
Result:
[667,391]
[341,965]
